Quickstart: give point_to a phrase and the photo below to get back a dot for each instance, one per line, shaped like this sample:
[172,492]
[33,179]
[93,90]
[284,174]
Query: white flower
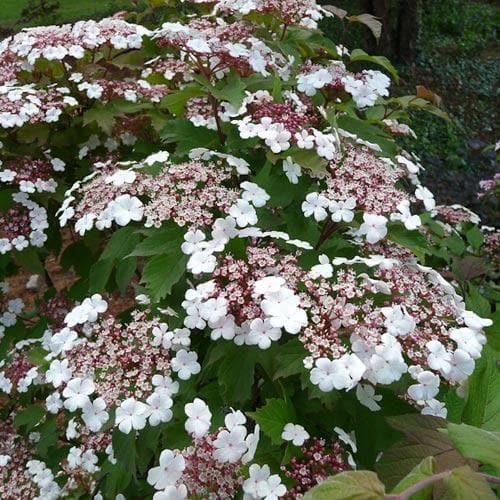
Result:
[225,328]
[131,414]
[342,373]
[192,240]
[85,223]
[269,284]
[262,333]
[77,393]
[439,358]
[411,222]
[172,493]
[292,170]
[165,384]
[427,387]
[435,408]
[462,365]
[160,157]
[4,460]
[309,83]
[374,227]
[283,309]
[315,204]
[168,472]
[202,261]
[323,269]
[243,213]
[398,322]
[346,438]
[365,394]
[88,310]
[53,403]
[159,407]
[121,177]
[126,208]
[185,364]
[261,484]
[199,45]
[94,414]
[342,210]
[472,320]
[304,139]
[224,229]
[423,194]
[199,418]
[58,372]
[469,341]
[230,445]
[213,310]
[254,194]
[295,433]
[387,364]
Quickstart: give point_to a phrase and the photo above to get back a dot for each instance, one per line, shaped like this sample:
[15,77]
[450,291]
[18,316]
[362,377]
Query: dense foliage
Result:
[236,284]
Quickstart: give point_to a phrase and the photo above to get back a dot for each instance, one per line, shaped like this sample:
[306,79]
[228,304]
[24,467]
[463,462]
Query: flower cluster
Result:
[125,366]
[22,225]
[301,12]
[188,193]
[66,42]
[317,462]
[27,104]
[214,48]
[31,175]
[211,466]
[284,125]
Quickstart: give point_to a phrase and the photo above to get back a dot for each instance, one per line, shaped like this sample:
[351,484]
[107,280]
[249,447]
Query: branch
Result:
[421,485]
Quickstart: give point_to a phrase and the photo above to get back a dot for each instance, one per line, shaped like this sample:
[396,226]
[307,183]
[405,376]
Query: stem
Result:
[328,229]
[215,108]
[283,33]
[490,478]
[421,485]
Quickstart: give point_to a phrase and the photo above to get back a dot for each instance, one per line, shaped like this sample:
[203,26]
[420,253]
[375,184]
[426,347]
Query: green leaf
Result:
[176,102]
[99,275]
[368,132]
[233,92]
[479,444]
[371,22]
[121,243]
[423,470]
[187,136]
[477,303]
[361,55]
[273,417]
[29,260]
[104,115]
[236,373]
[475,237]
[162,272]
[124,272]
[48,436]
[483,403]
[290,359]
[160,241]
[124,447]
[29,417]
[412,240]
[352,485]
[422,439]
[464,484]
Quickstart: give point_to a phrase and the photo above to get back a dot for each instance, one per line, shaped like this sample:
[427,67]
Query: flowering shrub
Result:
[231,261]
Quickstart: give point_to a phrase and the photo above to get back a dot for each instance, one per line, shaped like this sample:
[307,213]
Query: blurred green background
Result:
[450,46]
